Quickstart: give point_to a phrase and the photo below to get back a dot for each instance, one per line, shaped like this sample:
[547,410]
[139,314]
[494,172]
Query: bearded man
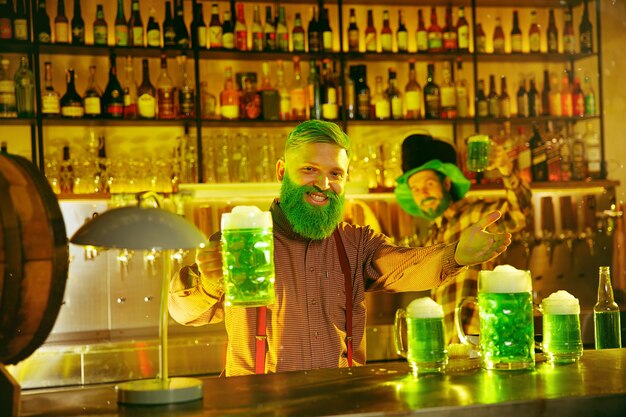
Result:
[322,268]
[434,188]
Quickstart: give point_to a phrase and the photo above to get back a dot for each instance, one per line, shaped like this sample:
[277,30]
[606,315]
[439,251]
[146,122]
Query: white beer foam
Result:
[246,217]
[560,302]
[424,307]
[505,279]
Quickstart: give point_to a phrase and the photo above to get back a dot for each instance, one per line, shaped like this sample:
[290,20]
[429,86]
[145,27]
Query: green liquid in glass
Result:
[477,155]
[561,338]
[426,345]
[608,332]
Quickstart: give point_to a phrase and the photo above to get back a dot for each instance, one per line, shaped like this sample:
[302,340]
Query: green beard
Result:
[432,214]
[312,222]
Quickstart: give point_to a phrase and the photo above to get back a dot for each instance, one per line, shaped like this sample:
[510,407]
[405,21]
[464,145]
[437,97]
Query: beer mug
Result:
[426,346]
[478,153]
[562,342]
[505,307]
[248,257]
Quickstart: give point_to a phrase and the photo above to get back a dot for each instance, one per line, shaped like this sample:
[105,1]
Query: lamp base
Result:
[158,391]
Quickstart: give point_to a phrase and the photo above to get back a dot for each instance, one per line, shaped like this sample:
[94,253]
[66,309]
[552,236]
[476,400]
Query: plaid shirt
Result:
[516,208]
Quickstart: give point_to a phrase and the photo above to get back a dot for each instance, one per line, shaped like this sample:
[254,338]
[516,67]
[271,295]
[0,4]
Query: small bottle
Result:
[534,33]
[590,97]
[481,39]
[448,93]
[93,107]
[370,33]
[282,33]
[180,28]
[385,34]
[569,38]
[146,94]
[402,35]
[186,90]
[450,40]
[130,90]
[522,98]
[482,105]
[61,24]
[394,96]
[50,99]
[593,152]
[361,92]
[432,97]
[66,175]
[165,92]
[228,32]
[313,34]
[492,98]
[20,23]
[498,37]
[545,95]
[153,30]
[413,95]
[516,35]
[435,35]
[462,97]
[257,29]
[24,89]
[314,91]
[421,34]
[78,25]
[553,34]
[229,97]
[113,96]
[380,102]
[275,100]
[120,27]
[199,29]
[353,33]
[330,104]
[606,314]
[71,102]
[462,32]
[208,102]
[241,31]
[269,31]
[43,30]
[585,31]
[169,32]
[504,101]
[100,29]
[539,161]
[535,105]
[578,99]
[297,35]
[326,33]
[135,26]
[297,93]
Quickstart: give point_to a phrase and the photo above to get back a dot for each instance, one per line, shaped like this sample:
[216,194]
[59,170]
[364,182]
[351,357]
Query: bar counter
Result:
[594,386]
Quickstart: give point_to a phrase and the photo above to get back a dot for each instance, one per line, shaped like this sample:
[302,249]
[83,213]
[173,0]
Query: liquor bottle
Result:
[539,168]
[314,91]
[492,98]
[435,37]
[545,95]
[385,34]
[166,108]
[216,29]
[524,156]
[432,98]
[6,19]
[553,34]
[100,29]
[66,175]
[565,155]
[20,22]
[516,35]
[413,94]
[297,35]
[113,96]
[328,90]
[553,159]
[180,28]
[569,38]
[402,35]
[353,33]
[229,97]
[579,166]
[228,32]
[590,97]
[462,97]
[153,30]
[362,96]
[43,30]
[593,154]
[585,31]
[50,99]
[208,102]
[241,32]
[450,40]
[578,99]
[370,33]
[250,101]
[534,33]
[275,100]
[481,39]
[146,94]
[135,26]
[498,37]
[504,101]
[169,31]
[24,89]
[130,90]
[606,314]
[186,90]
[448,93]
[421,34]
[61,24]
[297,93]
[282,33]
[522,98]
[315,43]
[78,25]
[121,27]
[7,91]
[269,31]
[556,104]
[380,101]
[394,96]
[198,27]
[71,102]
[349,98]
[93,106]
[535,105]
[482,105]
[326,33]
[567,107]
[462,31]
[257,29]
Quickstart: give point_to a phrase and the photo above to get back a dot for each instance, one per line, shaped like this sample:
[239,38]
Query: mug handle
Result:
[397,335]
[457,321]
[537,307]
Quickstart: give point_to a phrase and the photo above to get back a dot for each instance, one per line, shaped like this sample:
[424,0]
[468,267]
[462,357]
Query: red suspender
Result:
[261,313]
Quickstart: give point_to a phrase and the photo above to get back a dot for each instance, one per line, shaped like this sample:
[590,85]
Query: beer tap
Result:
[568,222]
[547,226]
[589,222]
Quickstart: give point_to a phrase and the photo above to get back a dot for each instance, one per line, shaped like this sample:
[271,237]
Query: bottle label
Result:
[115,109]
[327,40]
[403,41]
[370,42]
[165,101]
[241,41]
[257,41]
[382,109]
[553,42]
[448,97]
[283,42]
[363,105]
[555,104]
[481,44]
[169,36]
[78,35]
[187,103]
[516,43]
[534,41]
[483,108]
[353,40]
[435,41]
[44,37]
[461,102]
[298,42]
[585,42]
[385,42]
[505,108]
[421,38]
[298,99]
[100,35]
[331,96]
[498,45]
[228,40]
[50,105]
[121,35]
[61,32]
[270,41]
[413,101]
[522,106]
[6,28]
[396,107]
[329,111]
[449,41]
[524,159]
[463,37]
[137,36]
[216,37]
[230,111]
[92,105]
[72,111]
[154,38]
[569,44]
[146,104]
[590,105]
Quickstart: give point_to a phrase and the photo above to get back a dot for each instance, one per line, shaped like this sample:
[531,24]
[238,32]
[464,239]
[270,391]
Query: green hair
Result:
[318,131]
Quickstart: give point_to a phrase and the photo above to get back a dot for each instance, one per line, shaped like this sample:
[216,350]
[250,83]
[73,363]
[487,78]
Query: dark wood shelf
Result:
[514,120]
[97,50]
[249,123]
[12,46]
[532,58]
[264,55]
[465,120]
[396,56]
[548,185]
[61,121]
[21,121]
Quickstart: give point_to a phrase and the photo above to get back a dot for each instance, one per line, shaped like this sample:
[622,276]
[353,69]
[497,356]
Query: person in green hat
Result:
[433,187]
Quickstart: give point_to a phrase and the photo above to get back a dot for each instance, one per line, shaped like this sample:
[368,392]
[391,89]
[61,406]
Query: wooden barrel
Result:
[34,258]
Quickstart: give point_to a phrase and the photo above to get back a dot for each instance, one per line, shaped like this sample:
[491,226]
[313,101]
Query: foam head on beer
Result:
[505,279]
[246,217]
[560,302]
[424,307]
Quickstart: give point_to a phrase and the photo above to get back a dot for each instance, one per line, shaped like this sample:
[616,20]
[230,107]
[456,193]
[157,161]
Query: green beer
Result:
[607,331]
[478,153]
[248,257]
[562,342]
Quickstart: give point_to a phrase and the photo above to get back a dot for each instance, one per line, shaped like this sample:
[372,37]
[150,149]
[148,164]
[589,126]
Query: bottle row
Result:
[322,95]
[231,32]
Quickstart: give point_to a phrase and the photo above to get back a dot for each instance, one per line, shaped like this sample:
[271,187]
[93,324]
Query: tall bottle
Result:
[329,96]
[504,101]
[535,105]
[165,92]
[569,38]
[394,96]
[435,36]
[169,31]
[6,19]
[326,32]
[386,36]
[257,29]
[421,34]
[282,32]
[492,98]
[462,32]
[297,35]
[462,97]
[92,100]
[402,35]
[590,97]
[315,43]
[20,22]
[71,102]
[113,96]
[228,32]
[121,27]
[241,31]
[585,31]
[135,26]
[567,107]
[153,30]
[450,40]
[361,92]
[24,89]
[130,90]
[78,25]
[180,27]
[371,40]
[269,31]
[199,29]
[100,28]
[275,99]
[593,152]
[539,168]
[481,39]
[413,95]
[516,34]
[432,97]
[578,99]
[553,34]
[448,93]
[482,104]
[353,33]
[380,101]
[186,90]
[522,98]
[43,30]
[61,24]
[498,37]
[534,33]
[50,98]
[297,93]
[545,94]
[314,91]
[146,94]
[606,314]
[229,97]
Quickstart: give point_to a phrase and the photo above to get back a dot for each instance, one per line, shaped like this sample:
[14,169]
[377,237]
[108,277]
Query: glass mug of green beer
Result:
[248,257]
[426,346]
[562,342]
[505,307]
[477,153]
